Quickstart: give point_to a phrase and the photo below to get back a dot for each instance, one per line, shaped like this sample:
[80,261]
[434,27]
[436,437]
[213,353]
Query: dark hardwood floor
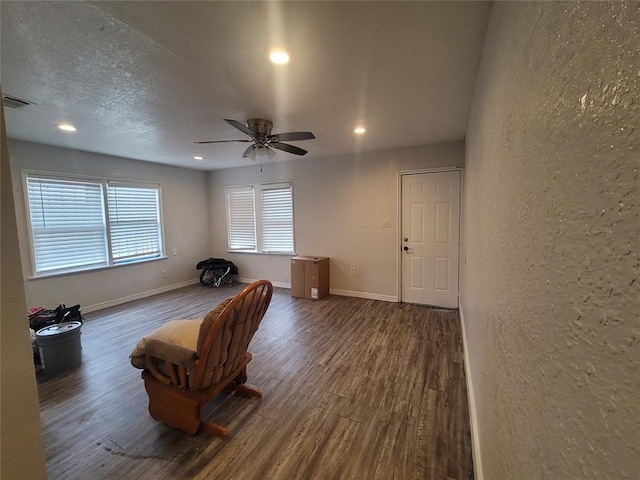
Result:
[352,389]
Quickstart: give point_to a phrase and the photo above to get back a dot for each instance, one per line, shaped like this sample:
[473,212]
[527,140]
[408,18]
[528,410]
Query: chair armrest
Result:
[167,362]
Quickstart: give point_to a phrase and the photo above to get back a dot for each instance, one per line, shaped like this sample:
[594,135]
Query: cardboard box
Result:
[309,277]
[297,277]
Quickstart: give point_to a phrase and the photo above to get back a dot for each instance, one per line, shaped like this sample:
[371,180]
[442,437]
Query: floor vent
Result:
[13,102]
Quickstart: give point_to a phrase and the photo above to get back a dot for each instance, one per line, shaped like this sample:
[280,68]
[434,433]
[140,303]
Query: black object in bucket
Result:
[60,347]
[43,317]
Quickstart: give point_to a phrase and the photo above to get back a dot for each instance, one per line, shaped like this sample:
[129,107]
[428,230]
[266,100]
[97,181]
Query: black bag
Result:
[44,318]
[217,264]
[215,271]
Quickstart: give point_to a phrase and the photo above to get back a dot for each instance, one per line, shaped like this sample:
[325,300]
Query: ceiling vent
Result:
[13,102]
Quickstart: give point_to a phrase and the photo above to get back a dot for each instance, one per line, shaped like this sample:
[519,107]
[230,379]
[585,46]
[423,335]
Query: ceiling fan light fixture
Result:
[359,130]
[251,152]
[279,57]
[263,151]
[270,153]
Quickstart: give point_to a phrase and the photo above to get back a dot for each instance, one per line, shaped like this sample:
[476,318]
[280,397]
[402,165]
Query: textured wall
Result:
[551,242]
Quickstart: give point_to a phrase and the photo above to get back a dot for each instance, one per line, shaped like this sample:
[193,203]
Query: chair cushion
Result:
[175,341]
[178,341]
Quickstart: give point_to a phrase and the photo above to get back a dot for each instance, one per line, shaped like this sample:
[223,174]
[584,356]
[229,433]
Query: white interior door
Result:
[430,237]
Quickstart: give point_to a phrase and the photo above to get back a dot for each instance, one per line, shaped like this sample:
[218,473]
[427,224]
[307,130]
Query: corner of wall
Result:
[473,418]
[22,454]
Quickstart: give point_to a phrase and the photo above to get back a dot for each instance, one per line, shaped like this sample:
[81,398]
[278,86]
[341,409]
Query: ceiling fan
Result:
[262,141]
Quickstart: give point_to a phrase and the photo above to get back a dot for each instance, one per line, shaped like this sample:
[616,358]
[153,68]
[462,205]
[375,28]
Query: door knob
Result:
[405,248]
[405,239]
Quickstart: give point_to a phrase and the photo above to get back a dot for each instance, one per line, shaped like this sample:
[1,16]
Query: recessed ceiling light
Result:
[66,127]
[279,56]
[198,157]
[359,130]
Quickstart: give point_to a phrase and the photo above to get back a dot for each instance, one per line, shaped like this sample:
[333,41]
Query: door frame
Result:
[402,173]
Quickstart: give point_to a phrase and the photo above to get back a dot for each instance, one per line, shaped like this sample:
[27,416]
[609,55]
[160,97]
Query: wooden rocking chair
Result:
[188,362]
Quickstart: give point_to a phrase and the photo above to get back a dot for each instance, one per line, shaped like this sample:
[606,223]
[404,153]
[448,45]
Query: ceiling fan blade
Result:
[225,141]
[240,126]
[293,136]
[285,147]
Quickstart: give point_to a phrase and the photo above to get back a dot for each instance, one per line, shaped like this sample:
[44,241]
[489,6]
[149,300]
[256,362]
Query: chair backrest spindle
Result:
[225,343]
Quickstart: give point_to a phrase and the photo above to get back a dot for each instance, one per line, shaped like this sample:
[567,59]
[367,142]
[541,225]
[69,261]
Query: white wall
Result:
[550,291]
[185,214]
[21,446]
[340,204]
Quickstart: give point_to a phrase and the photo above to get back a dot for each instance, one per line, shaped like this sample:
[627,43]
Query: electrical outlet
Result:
[163,273]
[386,223]
[352,270]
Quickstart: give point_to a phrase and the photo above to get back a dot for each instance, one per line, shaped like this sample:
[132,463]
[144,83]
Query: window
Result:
[79,223]
[277,219]
[241,218]
[134,222]
[260,218]
[67,224]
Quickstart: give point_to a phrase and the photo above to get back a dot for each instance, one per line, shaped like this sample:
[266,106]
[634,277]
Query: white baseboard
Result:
[475,438]
[368,296]
[275,284]
[138,296]
[336,291]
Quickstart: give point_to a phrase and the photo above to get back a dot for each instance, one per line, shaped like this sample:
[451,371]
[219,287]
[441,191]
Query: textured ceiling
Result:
[144,80]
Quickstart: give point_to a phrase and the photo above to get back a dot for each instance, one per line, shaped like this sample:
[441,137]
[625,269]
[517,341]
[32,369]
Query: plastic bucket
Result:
[60,347]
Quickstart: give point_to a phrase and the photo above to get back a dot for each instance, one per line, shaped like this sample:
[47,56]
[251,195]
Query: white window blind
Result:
[277,219]
[67,224]
[82,223]
[260,218]
[241,218]
[134,222]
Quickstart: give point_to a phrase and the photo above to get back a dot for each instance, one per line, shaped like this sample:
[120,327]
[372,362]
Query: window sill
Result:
[253,252]
[94,269]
